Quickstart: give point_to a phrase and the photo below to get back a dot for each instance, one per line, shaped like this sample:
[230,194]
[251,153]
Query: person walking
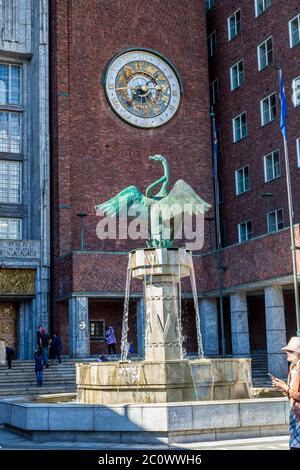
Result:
[9,354]
[56,346]
[38,358]
[291,389]
[110,339]
[45,347]
[39,337]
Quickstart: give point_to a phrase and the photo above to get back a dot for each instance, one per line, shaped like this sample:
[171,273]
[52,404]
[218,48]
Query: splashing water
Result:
[196,306]
[124,342]
[177,304]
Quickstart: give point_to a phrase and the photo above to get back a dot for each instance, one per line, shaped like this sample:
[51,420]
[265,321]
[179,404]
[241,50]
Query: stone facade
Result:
[24,42]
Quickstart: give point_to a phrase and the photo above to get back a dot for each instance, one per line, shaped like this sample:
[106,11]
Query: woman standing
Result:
[110,339]
[292,389]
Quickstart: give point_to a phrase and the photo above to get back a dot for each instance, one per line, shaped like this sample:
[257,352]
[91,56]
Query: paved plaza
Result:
[11,441]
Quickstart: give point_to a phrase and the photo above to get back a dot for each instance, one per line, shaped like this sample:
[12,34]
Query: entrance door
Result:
[8,324]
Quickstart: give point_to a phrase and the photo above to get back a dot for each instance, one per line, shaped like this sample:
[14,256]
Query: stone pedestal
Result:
[161,270]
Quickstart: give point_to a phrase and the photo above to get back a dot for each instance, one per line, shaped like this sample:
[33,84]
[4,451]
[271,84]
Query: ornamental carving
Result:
[21,249]
[17,281]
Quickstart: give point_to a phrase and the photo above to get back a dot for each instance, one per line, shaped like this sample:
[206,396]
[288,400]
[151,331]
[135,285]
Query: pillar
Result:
[239,325]
[275,328]
[209,326]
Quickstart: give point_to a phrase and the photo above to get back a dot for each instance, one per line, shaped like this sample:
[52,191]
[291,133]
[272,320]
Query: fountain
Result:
[164,375]
[166,397]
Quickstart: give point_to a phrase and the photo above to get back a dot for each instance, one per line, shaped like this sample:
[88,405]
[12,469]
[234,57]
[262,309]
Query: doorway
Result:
[8,324]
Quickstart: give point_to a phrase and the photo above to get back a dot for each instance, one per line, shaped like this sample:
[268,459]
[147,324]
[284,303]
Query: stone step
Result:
[34,390]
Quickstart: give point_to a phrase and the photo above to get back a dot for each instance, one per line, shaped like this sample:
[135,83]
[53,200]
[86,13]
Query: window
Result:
[10,132]
[234,25]
[97,330]
[296,91]
[212,44]
[294,30]
[245,231]
[242,180]
[214,93]
[10,229]
[239,125]
[209,4]
[275,220]
[265,53]
[261,6]
[268,109]
[10,84]
[271,166]
[298,151]
[10,181]
[237,75]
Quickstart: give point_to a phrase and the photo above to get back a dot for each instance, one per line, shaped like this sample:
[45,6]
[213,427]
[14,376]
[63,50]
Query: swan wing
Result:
[183,199]
[128,197]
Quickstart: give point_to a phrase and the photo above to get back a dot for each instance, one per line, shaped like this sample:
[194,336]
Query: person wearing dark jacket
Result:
[9,354]
[56,346]
[38,358]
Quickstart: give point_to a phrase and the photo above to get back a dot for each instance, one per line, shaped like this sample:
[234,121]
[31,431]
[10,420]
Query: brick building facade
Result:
[247,42]
[95,154]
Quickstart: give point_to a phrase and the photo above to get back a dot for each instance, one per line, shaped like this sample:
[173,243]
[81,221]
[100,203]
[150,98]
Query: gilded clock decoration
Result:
[143,88]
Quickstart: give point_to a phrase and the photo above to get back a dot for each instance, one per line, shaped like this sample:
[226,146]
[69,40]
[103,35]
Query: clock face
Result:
[142,88]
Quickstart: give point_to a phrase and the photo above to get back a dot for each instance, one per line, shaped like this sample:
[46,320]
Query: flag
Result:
[283,112]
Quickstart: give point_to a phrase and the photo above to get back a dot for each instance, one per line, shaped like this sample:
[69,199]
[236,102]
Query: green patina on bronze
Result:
[160,209]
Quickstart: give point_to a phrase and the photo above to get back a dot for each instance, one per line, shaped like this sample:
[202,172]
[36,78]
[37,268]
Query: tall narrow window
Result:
[209,4]
[234,25]
[10,228]
[11,117]
[261,6]
[298,151]
[214,92]
[237,75]
[296,91]
[212,44]
[242,180]
[275,220]
[271,166]
[265,53]
[294,31]
[268,109]
[239,125]
[245,231]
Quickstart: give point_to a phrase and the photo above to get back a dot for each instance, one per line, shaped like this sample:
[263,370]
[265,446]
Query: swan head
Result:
[159,158]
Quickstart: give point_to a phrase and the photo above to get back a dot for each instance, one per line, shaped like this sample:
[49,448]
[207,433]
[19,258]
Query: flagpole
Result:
[218,229]
[290,198]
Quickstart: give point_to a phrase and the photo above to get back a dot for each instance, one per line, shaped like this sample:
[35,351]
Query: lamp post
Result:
[218,229]
[82,215]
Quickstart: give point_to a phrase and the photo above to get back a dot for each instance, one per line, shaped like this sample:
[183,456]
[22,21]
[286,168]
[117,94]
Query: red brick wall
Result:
[96,154]
[258,85]
[257,260]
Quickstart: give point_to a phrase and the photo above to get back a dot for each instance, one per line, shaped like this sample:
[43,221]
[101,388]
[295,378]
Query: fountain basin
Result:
[150,424]
[163,381]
